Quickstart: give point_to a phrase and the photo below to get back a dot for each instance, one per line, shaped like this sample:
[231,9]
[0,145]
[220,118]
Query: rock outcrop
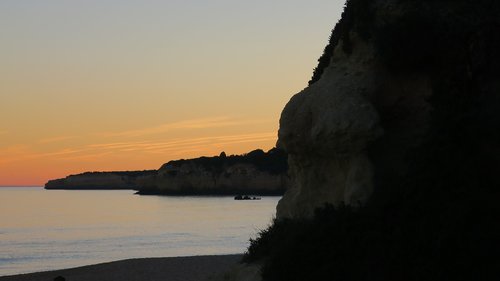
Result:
[256,173]
[102,180]
[405,96]
[326,130]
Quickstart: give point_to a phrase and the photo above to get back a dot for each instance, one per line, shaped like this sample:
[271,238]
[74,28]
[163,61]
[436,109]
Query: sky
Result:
[112,85]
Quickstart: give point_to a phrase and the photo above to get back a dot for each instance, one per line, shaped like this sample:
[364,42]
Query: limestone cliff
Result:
[394,150]
[102,180]
[405,96]
[256,173]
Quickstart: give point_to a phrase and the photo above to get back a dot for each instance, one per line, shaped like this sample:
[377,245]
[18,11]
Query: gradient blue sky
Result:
[126,85]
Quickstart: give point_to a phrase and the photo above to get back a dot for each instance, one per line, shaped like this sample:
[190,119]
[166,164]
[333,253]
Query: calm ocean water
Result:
[44,230]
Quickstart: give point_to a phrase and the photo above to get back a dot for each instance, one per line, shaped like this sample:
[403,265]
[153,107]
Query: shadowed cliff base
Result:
[399,131]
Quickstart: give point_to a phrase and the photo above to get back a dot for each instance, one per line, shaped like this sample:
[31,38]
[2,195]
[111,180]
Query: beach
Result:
[195,268]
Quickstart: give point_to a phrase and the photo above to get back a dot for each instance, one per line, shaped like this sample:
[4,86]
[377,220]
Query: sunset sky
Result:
[102,85]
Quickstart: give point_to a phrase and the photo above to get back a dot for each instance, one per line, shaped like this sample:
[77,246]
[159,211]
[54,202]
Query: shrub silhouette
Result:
[353,10]
[347,244]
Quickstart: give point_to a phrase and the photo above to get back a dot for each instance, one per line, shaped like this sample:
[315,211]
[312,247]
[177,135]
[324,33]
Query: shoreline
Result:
[191,268]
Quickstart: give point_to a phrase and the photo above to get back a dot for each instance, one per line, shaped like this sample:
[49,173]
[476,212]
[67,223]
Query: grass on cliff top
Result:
[274,161]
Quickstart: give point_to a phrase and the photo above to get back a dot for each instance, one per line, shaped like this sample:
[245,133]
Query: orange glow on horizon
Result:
[35,164]
[129,85]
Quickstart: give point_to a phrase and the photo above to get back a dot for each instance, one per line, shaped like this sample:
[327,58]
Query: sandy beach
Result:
[197,268]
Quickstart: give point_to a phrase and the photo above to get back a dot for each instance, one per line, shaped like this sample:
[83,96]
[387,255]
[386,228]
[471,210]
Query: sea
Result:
[44,230]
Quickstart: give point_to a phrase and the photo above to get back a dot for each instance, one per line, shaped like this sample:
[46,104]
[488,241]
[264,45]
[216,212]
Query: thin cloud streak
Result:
[14,153]
[57,139]
[215,122]
[197,144]
[26,153]
[172,148]
[152,147]
[117,145]
[88,157]
[206,123]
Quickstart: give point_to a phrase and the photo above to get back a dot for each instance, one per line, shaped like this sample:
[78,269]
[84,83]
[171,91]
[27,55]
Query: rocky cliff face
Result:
[235,179]
[102,180]
[404,97]
[326,130]
[257,173]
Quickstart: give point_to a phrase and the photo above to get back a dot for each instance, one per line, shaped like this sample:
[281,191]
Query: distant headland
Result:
[255,173]
[101,180]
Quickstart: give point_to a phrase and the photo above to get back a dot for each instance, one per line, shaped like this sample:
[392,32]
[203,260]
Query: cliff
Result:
[256,173]
[102,180]
[405,94]
[394,150]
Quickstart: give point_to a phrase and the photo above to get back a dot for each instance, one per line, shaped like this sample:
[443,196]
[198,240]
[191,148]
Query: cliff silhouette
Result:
[393,150]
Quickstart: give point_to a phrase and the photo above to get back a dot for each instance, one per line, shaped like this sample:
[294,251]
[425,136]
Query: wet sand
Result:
[197,268]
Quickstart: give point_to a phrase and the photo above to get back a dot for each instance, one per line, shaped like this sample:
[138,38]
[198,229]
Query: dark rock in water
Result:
[246,197]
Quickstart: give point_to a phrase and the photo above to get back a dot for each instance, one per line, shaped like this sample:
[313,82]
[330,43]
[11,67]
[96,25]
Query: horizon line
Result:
[1,185]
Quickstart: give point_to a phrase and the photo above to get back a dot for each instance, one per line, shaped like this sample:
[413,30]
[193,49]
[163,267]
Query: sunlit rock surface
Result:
[326,129]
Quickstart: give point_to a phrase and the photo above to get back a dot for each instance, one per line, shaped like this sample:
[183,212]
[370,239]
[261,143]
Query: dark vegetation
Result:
[353,10]
[122,173]
[457,241]
[440,222]
[274,161]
